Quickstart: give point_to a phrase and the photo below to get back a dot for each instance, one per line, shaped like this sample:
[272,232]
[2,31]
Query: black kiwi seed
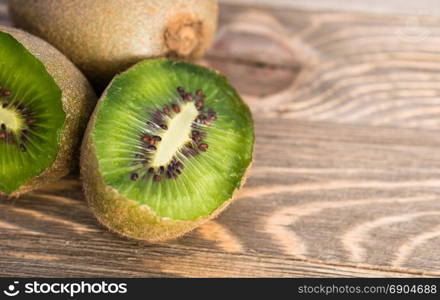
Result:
[186,152]
[157,138]
[161,170]
[164,127]
[5,104]
[188,97]
[22,148]
[151,170]
[156,178]
[145,139]
[9,139]
[3,126]
[158,116]
[6,92]
[134,176]
[152,148]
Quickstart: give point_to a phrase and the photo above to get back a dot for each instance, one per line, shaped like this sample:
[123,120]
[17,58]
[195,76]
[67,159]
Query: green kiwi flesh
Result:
[38,128]
[104,37]
[167,146]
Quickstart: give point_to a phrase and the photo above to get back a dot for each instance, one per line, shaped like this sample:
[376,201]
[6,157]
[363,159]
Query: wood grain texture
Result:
[342,67]
[346,178]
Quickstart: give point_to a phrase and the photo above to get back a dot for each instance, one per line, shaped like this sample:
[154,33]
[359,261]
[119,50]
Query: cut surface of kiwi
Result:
[170,139]
[44,104]
[31,115]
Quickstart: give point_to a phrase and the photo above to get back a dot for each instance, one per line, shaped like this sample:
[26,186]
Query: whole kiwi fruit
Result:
[45,102]
[167,147]
[104,37]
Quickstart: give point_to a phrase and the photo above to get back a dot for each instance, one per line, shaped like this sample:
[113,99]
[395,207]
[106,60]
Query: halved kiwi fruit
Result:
[104,37]
[166,148]
[44,105]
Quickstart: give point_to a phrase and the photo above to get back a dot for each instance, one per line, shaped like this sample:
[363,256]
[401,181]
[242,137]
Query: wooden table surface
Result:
[346,177]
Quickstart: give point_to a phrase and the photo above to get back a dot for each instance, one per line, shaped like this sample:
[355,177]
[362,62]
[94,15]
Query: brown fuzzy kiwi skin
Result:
[124,216]
[78,100]
[104,37]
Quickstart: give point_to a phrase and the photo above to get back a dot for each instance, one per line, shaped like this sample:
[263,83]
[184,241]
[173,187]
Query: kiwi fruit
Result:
[45,102]
[104,37]
[165,150]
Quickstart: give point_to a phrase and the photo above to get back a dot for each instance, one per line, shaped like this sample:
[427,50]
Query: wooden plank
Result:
[322,200]
[430,7]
